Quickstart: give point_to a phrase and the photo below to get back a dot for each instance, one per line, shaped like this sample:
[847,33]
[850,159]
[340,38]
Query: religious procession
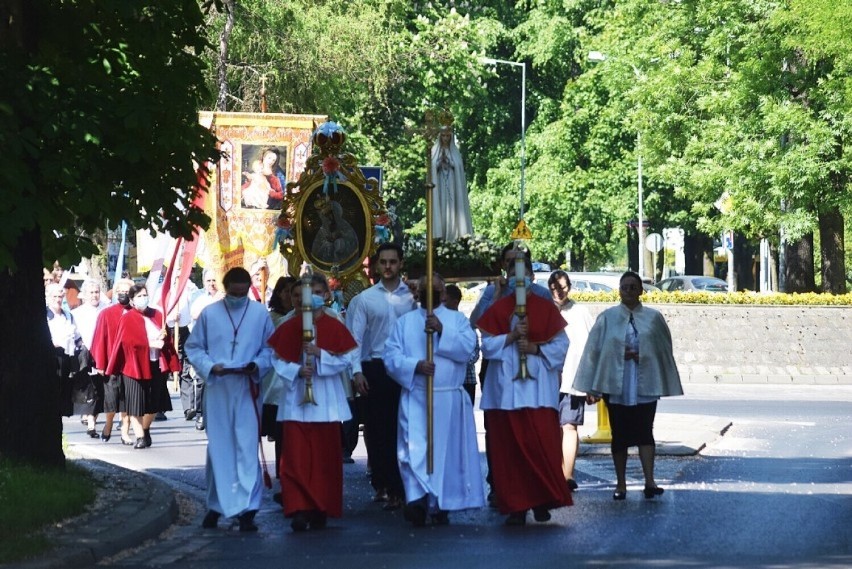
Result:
[353,340]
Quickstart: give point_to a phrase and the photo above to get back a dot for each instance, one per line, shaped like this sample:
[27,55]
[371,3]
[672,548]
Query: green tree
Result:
[99,123]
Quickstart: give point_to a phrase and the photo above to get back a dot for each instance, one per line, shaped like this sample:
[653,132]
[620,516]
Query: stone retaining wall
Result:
[759,344]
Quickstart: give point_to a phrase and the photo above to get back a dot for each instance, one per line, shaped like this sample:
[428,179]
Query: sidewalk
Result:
[132,507]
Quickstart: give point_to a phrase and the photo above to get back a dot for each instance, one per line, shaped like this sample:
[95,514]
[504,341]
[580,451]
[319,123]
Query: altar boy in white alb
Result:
[228,349]
[456,480]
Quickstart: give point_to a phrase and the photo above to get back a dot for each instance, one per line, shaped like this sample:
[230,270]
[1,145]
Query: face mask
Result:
[512,282]
[141,302]
[123,298]
[235,301]
[317,301]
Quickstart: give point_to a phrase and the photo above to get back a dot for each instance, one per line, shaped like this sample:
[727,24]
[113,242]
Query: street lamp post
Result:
[640,231]
[523,66]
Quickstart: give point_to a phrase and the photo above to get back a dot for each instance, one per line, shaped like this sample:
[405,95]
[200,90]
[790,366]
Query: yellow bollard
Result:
[604,432]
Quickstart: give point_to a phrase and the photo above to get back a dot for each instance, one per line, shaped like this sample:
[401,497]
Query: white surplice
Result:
[234,480]
[456,480]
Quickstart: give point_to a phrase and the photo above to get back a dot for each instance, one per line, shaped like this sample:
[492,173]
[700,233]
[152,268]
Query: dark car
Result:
[693,282]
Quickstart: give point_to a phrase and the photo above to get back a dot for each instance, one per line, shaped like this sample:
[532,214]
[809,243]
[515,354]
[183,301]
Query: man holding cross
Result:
[228,350]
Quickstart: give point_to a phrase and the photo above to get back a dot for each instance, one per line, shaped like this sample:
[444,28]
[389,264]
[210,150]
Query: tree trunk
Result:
[30,421]
[799,265]
[696,250]
[832,249]
[222,67]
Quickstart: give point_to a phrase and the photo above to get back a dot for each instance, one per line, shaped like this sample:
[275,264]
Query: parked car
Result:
[693,282]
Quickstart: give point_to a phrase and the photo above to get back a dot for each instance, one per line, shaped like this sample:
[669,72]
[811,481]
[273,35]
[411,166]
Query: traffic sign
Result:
[654,242]
[521,231]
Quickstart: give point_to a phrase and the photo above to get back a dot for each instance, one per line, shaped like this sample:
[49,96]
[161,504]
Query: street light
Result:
[598,56]
[523,66]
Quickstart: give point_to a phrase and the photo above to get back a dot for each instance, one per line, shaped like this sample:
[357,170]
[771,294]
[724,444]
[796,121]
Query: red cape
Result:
[106,327]
[129,355]
[331,336]
[545,320]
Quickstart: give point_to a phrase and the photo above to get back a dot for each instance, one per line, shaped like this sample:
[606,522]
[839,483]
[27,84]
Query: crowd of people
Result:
[252,362]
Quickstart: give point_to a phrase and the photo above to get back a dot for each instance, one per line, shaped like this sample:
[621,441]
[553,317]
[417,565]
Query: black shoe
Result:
[189,414]
[199,423]
[393,503]
[247,521]
[652,492]
[148,437]
[492,499]
[126,442]
[415,512]
[572,485]
[300,522]
[161,417]
[211,520]
[105,438]
[619,495]
[442,518]
[318,520]
[140,443]
[93,433]
[541,514]
[517,519]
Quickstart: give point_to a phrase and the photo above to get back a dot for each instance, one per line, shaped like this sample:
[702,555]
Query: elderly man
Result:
[90,395]
[228,349]
[456,480]
[191,384]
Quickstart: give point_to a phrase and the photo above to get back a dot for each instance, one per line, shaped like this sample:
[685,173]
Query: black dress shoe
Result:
[300,522]
[415,512]
[541,514]
[247,521]
[619,495]
[147,437]
[211,520]
[199,423]
[318,520]
[93,433]
[651,492]
[161,417]
[105,438]
[442,518]
[517,519]
[140,443]
[572,485]
[189,414]
[126,442]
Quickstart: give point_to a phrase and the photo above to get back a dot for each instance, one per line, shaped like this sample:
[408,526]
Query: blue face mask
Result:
[317,301]
[511,281]
[235,301]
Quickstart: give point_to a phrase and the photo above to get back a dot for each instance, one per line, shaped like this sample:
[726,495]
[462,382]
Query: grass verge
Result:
[32,498]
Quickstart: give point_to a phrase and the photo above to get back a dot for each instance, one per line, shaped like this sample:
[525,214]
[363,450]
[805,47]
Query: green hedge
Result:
[746,298]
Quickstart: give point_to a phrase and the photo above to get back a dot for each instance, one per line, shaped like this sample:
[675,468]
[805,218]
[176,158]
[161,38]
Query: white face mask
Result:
[140,302]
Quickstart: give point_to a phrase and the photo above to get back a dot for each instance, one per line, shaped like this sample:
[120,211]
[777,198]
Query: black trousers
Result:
[380,424]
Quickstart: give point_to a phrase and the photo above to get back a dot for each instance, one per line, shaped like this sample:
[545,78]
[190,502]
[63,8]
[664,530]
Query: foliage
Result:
[31,498]
[99,123]
[738,298]
[471,254]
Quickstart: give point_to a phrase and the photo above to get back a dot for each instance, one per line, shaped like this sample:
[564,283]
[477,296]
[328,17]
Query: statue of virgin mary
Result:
[450,204]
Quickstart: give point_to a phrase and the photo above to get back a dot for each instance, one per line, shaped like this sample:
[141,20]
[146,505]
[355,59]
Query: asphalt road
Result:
[774,491]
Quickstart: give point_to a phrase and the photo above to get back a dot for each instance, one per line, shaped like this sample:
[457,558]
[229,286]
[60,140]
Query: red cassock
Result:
[311,466]
[130,351]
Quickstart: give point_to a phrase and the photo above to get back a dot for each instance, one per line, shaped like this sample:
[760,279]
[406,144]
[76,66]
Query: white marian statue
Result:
[450,204]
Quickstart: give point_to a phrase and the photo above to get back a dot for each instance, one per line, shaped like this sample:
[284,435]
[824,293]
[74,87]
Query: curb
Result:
[130,508]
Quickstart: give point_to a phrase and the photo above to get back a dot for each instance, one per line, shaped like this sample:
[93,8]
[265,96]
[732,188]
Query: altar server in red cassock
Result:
[523,434]
[311,467]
